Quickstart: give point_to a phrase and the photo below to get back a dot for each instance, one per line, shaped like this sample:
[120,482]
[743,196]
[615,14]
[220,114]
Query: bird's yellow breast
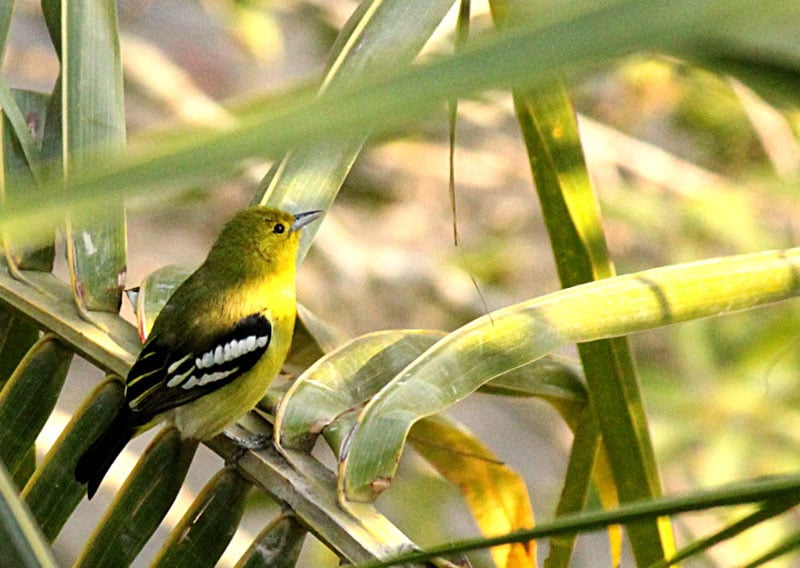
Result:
[208,415]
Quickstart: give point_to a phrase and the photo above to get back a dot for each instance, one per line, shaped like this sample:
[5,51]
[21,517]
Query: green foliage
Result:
[370,395]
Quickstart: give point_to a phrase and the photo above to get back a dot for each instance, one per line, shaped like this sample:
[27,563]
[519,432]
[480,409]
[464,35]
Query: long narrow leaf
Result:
[208,526]
[141,504]
[519,57]
[549,127]
[93,129]
[381,34]
[776,488]
[23,544]
[29,397]
[767,511]
[52,508]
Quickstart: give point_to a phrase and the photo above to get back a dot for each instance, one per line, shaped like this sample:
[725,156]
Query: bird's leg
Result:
[246,440]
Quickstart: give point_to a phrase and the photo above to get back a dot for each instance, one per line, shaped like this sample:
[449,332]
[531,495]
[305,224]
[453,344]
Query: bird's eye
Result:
[279,228]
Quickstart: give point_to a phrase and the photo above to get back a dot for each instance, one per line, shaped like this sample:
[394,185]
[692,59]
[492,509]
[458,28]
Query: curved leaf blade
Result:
[513,337]
[343,380]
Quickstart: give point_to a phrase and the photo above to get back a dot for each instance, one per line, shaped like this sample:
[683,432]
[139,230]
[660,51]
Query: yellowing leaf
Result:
[495,493]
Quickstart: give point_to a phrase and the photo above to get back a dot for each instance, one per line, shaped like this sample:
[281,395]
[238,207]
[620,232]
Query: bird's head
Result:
[261,234]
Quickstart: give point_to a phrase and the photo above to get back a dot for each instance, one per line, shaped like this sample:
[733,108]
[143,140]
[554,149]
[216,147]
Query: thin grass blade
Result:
[762,490]
[766,512]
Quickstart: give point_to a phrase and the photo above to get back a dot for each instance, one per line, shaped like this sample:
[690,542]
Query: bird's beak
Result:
[303,219]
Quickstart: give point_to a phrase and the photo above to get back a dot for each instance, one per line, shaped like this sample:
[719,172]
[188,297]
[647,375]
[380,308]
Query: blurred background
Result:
[678,157]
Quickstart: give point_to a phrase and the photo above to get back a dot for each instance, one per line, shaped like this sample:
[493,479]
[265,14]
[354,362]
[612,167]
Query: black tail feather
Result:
[97,459]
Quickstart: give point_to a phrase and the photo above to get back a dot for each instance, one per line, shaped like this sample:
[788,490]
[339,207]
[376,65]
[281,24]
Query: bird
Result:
[218,341]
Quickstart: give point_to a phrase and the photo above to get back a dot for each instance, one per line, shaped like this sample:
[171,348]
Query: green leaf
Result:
[22,335]
[18,174]
[52,508]
[572,216]
[23,544]
[277,546]
[208,525]
[29,397]
[766,489]
[93,129]
[766,512]
[563,38]
[381,34]
[141,503]
[516,336]
[494,492]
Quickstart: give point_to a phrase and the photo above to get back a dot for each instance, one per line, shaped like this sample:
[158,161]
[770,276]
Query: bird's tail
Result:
[97,459]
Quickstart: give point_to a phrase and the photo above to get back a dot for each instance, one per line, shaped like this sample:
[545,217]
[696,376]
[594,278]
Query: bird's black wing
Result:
[167,375]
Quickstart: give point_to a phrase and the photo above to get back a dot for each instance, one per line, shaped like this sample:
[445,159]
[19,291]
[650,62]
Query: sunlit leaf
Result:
[572,216]
[381,34]
[515,336]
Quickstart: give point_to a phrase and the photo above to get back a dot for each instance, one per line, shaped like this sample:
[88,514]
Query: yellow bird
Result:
[217,343]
